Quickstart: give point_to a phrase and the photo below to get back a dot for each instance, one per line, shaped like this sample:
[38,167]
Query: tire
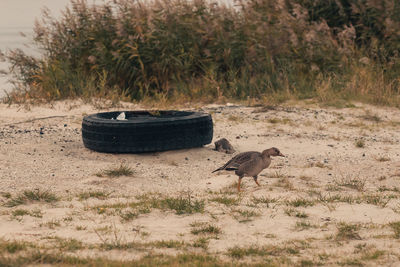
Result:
[144,132]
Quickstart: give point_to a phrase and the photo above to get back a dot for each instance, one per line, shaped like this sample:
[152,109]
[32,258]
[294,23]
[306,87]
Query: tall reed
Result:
[199,49]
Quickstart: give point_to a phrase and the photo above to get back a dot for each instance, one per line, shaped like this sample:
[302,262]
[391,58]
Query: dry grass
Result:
[36,195]
[242,252]
[228,201]
[396,229]
[360,143]
[181,204]
[383,159]
[300,202]
[122,170]
[285,183]
[352,183]
[93,194]
[303,225]
[348,231]
[202,228]
[215,53]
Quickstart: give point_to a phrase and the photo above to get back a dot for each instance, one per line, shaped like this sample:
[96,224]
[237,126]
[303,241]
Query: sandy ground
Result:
[305,202]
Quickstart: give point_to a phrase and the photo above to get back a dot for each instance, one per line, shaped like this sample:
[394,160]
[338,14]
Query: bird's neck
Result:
[265,156]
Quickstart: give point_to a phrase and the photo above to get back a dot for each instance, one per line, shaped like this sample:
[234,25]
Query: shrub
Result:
[259,49]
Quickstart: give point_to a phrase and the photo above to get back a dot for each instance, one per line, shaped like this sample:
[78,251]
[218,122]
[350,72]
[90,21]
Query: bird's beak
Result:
[281,155]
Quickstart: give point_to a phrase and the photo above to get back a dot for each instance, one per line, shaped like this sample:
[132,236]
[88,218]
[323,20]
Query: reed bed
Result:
[269,50]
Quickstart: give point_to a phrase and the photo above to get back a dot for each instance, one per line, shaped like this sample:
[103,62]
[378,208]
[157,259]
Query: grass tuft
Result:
[93,194]
[205,229]
[303,225]
[36,195]
[299,214]
[300,202]
[20,212]
[227,201]
[242,252]
[13,246]
[201,242]
[396,229]
[353,183]
[360,143]
[245,215]
[348,232]
[263,200]
[122,170]
[383,159]
[182,204]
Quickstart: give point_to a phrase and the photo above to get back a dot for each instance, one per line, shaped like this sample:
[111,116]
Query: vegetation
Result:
[182,204]
[396,228]
[62,259]
[228,201]
[347,231]
[93,194]
[300,202]
[205,228]
[360,143]
[266,49]
[36,195]
[240,252]
[122,170]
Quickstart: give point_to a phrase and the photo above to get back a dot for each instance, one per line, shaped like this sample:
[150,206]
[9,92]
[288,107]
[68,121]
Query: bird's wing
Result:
[251,167]
[246,156]
[240,158]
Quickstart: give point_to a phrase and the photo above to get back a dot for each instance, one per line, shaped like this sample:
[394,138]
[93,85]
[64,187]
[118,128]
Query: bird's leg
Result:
[255,180]
[240,179]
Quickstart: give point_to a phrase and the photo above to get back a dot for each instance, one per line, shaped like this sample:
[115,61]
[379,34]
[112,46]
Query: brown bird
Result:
[223,145]
[250,163]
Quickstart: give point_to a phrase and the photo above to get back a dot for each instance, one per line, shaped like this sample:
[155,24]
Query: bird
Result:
[250,163]
[223,145]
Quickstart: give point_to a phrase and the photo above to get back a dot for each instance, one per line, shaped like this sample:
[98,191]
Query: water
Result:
[18,16]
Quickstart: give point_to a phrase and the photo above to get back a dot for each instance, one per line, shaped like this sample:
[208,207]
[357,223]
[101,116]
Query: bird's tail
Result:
[217,170]
[226,169]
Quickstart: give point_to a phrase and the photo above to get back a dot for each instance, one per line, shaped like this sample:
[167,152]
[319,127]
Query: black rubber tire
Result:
[144,132]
